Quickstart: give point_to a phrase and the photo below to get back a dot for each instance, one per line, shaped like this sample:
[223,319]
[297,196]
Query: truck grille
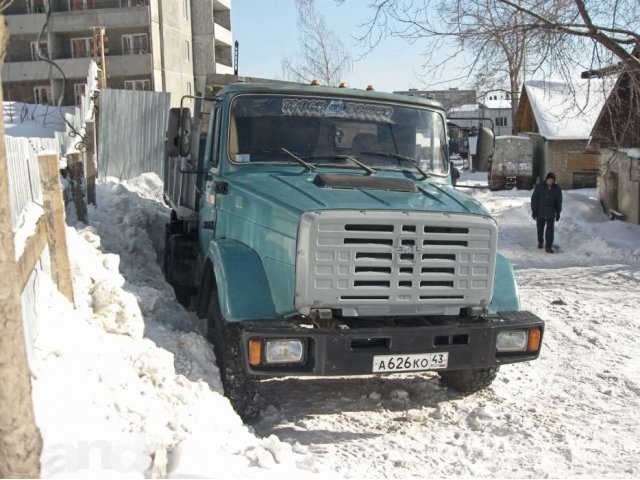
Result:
[394,263]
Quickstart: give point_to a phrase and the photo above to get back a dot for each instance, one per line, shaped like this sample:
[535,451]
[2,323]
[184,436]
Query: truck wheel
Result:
[469,381]
[182,292]
[239,387]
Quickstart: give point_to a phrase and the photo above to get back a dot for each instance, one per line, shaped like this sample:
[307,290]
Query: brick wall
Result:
[558,154]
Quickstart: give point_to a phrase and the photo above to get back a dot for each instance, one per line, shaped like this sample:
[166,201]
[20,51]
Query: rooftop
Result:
[566,112]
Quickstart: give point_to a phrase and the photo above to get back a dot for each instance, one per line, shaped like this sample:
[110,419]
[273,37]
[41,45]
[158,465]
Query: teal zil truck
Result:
[315,232]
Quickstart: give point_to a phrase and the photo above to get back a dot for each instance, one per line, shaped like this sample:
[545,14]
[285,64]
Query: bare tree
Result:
[484,30]
[610,28]
[322,54]
[508,39]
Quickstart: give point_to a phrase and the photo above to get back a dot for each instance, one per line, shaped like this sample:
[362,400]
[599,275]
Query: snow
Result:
[631,152]
[567,112]
[119,391]
[497,104]
[33,120]
[26,226]
[126,386]
[473,107]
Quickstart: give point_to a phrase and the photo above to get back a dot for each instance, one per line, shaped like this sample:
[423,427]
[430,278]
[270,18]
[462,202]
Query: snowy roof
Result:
[472,107]
[631,152]
[498,104]
[567,112]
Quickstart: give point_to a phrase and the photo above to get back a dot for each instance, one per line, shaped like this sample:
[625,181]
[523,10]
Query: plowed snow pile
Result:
[126,387]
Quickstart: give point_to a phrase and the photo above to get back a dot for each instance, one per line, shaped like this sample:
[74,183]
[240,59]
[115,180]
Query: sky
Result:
[267,32]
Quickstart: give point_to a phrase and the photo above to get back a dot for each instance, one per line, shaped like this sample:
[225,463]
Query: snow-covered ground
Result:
[125,386]
[33,120]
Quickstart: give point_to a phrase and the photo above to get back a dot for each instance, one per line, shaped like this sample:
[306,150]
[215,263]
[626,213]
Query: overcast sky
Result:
[267,32]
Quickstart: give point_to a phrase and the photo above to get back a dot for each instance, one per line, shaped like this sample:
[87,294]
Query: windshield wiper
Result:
[288,153]
[306,165]
[346,157]
[397,156]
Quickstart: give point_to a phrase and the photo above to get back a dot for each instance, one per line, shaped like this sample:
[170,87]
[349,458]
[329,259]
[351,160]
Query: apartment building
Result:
[453,97]
[160,45]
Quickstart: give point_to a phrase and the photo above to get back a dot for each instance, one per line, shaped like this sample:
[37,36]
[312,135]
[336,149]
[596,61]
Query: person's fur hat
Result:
[551,175]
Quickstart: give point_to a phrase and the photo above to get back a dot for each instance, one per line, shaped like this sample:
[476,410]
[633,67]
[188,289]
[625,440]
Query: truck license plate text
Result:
[410,363]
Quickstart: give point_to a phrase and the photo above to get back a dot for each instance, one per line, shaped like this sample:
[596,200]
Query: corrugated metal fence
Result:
[24,174]
[132,129]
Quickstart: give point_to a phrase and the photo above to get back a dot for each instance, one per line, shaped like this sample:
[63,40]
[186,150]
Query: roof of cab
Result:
[303,89]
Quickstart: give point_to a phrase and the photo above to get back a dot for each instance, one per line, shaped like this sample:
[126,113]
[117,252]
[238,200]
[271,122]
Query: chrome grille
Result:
[394,263]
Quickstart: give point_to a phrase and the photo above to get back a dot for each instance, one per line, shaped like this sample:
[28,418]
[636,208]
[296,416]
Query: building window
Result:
[81,47]
[79,89]
[187,51]
[44,50]
[137,85]
[133,44]
[36,6]
[589,180]
[75,5]
[42,94]
[133,3]
[501,121]
[185,9]
[189,88]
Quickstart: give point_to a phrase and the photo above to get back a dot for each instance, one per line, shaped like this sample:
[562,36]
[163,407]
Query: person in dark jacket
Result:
[546,205]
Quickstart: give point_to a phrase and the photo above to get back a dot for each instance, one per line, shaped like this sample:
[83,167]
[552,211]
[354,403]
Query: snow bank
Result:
[124,385]
[33,120]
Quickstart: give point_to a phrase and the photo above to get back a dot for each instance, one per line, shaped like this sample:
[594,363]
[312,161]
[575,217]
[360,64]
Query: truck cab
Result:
[316,232]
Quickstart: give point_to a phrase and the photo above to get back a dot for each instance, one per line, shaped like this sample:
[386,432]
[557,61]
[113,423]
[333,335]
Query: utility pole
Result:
[99,50]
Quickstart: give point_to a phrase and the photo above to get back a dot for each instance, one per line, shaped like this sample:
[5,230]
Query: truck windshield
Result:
[325,131]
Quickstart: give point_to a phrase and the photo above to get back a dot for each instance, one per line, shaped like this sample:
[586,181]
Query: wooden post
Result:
[90,162]
[54,217]
[76,172]
[20,440]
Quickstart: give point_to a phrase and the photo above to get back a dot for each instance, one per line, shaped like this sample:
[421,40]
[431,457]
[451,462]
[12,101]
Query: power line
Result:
[73,132]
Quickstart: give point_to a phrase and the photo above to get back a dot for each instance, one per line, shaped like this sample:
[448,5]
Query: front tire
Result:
[239,387]
[469,381]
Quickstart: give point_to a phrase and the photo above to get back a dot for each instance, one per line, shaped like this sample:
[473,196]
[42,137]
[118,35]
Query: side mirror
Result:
[179,132]
[485,148]
[184,145]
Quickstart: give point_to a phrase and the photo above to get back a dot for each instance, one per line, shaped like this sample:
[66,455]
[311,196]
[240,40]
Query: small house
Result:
[559,118]
[617,131]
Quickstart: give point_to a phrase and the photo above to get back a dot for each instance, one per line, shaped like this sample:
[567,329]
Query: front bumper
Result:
[470,344]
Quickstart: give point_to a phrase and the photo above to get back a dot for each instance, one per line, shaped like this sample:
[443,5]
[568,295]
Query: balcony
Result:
[224,69]
[221,5]
[85,5]
[25,70]
[26,24]
[120,18]
[129,65]
[109,14]
[222,35]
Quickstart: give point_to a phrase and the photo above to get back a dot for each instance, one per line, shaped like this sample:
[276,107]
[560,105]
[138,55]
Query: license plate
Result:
[410,363]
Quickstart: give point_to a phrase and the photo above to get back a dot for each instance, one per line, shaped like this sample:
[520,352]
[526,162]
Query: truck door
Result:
[208,216]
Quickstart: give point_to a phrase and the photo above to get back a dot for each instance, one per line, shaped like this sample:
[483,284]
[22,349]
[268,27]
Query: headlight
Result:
[284,351]
[512,341]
